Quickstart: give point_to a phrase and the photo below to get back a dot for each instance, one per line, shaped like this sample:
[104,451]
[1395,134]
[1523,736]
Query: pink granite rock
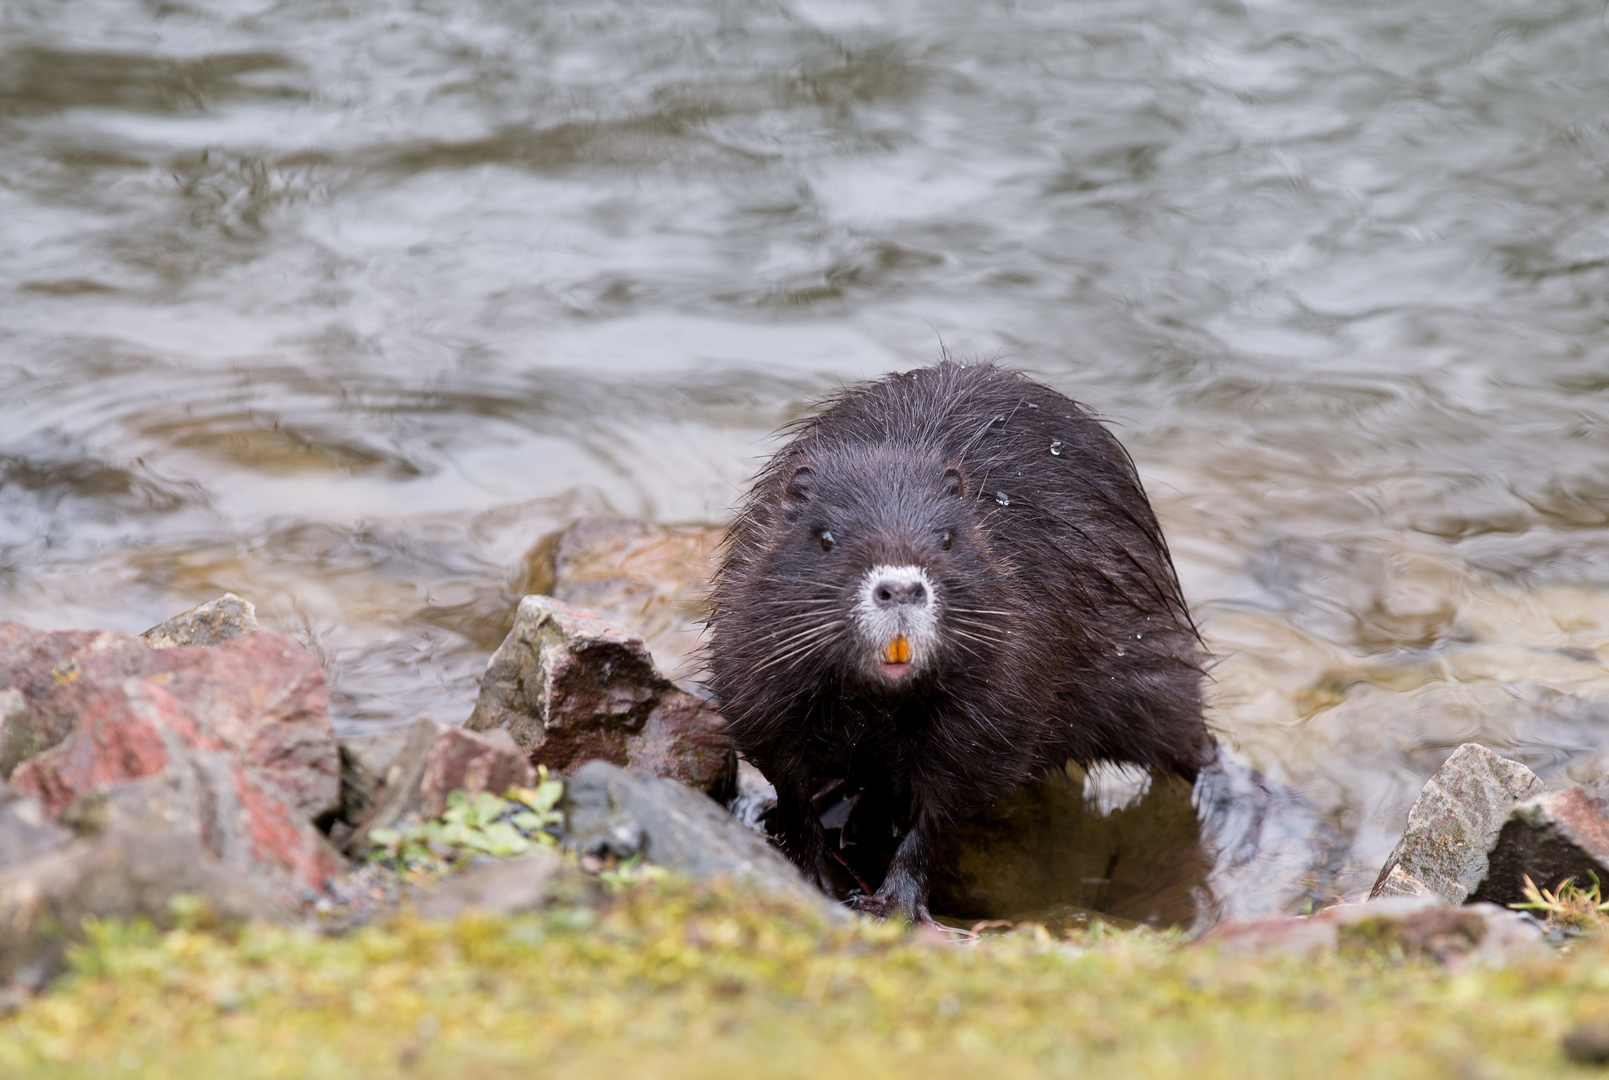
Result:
[139,763]
[260,694]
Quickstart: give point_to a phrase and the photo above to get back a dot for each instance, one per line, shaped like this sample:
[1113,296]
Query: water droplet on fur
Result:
[1002,498]
[999,421]
[1031,405]
[1121,651]
[1055,447]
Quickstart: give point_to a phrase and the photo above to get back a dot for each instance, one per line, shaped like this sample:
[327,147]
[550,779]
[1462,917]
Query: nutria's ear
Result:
[797,486]
[955,482]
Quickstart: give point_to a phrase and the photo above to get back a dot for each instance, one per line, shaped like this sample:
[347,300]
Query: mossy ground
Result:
[673,980]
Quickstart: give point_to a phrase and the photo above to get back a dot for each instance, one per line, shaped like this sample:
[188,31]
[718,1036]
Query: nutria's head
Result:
[872,571]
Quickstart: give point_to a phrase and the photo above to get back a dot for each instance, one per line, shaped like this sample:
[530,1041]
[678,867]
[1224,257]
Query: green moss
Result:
[672,980]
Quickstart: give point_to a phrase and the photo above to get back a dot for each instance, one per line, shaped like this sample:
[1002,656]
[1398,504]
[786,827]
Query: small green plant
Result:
[1568,905]
[485,824]
[632,871]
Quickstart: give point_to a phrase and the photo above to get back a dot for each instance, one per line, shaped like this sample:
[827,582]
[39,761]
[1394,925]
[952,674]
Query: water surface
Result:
[342,306]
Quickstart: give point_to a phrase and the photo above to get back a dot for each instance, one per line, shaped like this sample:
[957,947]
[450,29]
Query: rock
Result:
[650,578]
[211,623]
[1549,838]
[435,760]
[364,761]
[506,887]
[625,812]
[138,762]
[25,830]
[1587,1044]
[1416,926]
[119,875]
[263,695]
[1453,824]
[570,687]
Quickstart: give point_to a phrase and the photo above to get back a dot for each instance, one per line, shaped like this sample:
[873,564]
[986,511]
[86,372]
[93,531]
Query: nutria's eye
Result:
[826,540]
[944,539]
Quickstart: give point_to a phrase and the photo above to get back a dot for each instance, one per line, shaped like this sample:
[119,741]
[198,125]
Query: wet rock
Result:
[1416,926]
[507,887]
[139,762]
[211,623]
[570,687]
[261,694]
[1453,824]
[435,760]
[1549,838]
[45,900]
[25,830]
[650,578]
[1587,1044]
[625,812]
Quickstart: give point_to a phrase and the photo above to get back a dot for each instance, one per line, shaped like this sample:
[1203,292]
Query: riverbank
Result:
[670,980]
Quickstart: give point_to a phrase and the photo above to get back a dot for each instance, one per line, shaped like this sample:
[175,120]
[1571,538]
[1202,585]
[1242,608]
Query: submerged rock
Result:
[211,623]
[436,759]
[261,695]
[1414,925]
[627,812]
[1550,838]
[570,687]
[1453,824]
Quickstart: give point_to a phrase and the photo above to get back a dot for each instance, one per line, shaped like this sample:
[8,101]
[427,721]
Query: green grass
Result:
[675,981]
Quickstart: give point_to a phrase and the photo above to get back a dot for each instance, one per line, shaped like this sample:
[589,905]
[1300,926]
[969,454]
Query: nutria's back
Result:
[945,581]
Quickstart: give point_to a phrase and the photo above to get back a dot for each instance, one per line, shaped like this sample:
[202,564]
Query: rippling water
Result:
[342,306]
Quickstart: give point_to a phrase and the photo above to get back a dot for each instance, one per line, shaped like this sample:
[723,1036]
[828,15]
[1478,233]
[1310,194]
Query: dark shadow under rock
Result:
[1549,838]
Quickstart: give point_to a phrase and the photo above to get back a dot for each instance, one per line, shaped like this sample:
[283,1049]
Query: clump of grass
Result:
[1568,906]
[514,823]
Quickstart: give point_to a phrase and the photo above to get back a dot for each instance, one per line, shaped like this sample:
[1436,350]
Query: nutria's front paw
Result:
[879,906]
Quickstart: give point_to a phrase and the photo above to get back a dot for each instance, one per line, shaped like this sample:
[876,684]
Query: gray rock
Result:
[571,687]
[435,760]
[206,624]
[26,832]
[1453,824]
[624,812]
[118,875]
[508,887]
[1550,838]
[1414,925]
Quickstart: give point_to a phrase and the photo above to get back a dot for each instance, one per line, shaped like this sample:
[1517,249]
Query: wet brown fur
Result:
[1064,636]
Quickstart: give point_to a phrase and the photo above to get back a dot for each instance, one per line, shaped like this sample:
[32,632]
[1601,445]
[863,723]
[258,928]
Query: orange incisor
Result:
[898,651]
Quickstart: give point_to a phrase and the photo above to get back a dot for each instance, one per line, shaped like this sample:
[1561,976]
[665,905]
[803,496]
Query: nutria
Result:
[945,582]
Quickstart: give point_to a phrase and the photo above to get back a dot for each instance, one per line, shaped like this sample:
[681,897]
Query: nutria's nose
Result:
[891,592]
